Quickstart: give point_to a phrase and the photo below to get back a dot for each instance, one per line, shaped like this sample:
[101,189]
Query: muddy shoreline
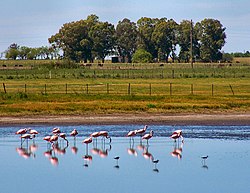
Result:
[115,119]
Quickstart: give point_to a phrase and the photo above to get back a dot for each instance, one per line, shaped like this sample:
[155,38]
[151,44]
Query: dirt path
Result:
[163,119]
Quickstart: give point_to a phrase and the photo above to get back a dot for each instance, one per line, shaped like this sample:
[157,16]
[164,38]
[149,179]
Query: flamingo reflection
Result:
[177,151]
[146,154]
[103,151]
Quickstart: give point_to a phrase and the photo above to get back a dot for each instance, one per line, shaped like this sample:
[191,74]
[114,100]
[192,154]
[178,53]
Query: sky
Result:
[31,22]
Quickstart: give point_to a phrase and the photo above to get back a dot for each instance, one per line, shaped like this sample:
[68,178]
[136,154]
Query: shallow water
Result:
[35,167]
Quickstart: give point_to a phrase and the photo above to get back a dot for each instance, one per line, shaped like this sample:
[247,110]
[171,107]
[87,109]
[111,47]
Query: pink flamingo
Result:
[21,132]
[53,139]
[33,132]
[131,134]
[141,131]
[74,133]
[63,136]
[56,130]
[177,134]
[26,136]
[87,141]
[148,136]
[104,134]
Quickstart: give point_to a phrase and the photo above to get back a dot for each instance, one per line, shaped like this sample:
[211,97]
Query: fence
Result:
[129,89]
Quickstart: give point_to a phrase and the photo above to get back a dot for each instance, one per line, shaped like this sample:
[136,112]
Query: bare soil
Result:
[149,119]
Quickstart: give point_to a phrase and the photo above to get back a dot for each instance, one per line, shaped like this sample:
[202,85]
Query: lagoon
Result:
[35,167]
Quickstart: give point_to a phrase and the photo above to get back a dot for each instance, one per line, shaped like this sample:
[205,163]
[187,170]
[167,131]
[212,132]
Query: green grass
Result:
[38,88]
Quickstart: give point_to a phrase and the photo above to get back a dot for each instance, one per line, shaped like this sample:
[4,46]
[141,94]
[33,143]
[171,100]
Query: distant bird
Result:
[177,134]
[33,132]
[21,132]
[141,131]
[117,159]
[26,136]
[204,157]
[105,134]
[155,161]
[148,136]
[74,133]
[63,136]
[131,134]
[95,134]
[87,141]
[56,130]
[53,139]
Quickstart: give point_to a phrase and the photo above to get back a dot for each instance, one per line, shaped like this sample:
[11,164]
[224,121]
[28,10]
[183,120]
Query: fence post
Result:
[212,89]
[25,88]
[231,88]
[192,89]
[87,88]
[170,89]
[107,88]
[150,89]
[66,88]
[129,89]
[4,88]
[172,73]
[45,89]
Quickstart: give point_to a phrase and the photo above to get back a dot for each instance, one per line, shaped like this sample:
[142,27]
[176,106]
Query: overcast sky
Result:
[31,22]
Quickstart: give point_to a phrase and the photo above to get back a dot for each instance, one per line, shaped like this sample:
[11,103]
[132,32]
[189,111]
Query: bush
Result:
[141,56]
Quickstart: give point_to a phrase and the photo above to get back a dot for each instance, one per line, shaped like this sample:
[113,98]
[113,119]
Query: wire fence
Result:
[129,89]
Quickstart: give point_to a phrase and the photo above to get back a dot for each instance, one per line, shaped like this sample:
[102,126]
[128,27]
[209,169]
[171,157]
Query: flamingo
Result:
[105,134]
[53,139]
[131,134]
[21,132]
[63,136]
[177,134]
[87,141]
[26,136]
[74,133]
[148,136]
[141,131]
[56,130]
[33,132]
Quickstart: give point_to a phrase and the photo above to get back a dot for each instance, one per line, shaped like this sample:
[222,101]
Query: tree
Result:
[164,37]
[142,56]
[146,28]
[212,38]
[103,37]
[73,38]
[126,38]
[184,41]
[12,52]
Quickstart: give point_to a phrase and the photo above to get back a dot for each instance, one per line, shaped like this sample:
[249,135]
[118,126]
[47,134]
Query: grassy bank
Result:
[37,88]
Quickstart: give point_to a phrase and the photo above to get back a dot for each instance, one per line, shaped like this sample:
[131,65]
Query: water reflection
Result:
[177,151]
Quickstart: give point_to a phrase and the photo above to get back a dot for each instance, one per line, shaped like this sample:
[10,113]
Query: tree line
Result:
[146,40]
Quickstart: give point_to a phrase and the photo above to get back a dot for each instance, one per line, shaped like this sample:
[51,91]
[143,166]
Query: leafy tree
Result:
[12,52]
[23,52]
[184,41]
[73,38]
[126,38]
[165,38]
[146,28]
[103,37]
[142,56]
[212,38]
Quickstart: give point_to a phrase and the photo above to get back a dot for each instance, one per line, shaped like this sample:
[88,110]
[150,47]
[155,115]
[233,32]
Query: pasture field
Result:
[40,87]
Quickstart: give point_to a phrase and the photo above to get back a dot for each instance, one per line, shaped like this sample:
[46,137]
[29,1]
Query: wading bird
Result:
[141,131]
[87,141]
[148,136]
[176,135]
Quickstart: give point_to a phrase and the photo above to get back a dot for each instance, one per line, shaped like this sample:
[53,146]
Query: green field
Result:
[46,87]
